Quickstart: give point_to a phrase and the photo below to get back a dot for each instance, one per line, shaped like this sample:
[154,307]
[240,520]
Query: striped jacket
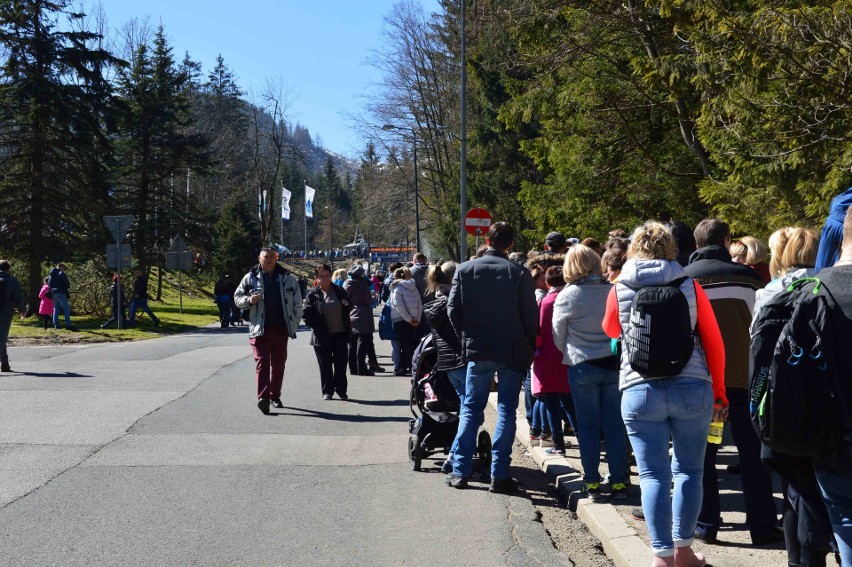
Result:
[731,289]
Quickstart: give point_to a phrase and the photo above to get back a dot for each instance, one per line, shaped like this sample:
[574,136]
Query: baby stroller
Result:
[435,407]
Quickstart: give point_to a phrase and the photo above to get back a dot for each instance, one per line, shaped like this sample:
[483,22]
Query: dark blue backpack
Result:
[386,330]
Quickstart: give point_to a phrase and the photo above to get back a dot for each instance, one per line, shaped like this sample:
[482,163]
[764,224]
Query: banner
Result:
[285,204]
[309,202]
[261,204]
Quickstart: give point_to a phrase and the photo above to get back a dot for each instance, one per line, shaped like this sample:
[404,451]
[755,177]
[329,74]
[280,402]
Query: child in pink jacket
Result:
[45,308]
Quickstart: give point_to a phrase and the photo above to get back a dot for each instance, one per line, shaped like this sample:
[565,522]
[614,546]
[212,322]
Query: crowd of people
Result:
[571,325]
[640,342]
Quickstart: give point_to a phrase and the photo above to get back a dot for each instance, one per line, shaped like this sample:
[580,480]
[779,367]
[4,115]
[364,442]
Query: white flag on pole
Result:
[309,202]
[285,204]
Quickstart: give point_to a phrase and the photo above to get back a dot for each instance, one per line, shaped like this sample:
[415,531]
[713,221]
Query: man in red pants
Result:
[274,300]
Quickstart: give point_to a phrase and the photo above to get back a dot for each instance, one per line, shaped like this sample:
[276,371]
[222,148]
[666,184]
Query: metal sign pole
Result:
[119,311]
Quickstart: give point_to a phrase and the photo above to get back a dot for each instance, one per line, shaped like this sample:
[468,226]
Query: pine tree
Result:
[54,109]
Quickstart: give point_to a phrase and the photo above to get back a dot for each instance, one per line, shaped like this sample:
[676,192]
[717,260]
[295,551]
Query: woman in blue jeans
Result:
[678,408]
[593,374]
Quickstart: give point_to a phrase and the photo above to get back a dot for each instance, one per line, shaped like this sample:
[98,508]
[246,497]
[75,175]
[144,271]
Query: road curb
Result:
[620,541]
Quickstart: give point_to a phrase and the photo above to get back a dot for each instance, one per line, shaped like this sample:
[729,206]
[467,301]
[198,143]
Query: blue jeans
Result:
[60,304]
[554,413]
[457,379]
[836,490]
[539,423]
[142,304]
[597,408]
[395,353]
[528,398]
[654,412]
[477,387]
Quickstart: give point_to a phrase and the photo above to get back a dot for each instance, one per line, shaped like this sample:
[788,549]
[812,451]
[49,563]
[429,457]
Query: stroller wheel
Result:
[483,449]
[415,455]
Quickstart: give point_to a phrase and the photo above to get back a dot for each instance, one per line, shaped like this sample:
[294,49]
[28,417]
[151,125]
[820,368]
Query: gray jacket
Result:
[361,315]
[291,299]
[577,317]
[641,273]
[492,307]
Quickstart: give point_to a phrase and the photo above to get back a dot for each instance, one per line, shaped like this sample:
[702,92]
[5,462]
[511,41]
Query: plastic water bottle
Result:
[715,434]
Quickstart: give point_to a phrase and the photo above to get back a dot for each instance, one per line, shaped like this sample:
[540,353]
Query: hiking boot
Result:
[503,485]
[343,397]
[276,403]
[376,368]
[455,481]
[5,369]
[619,491]
[593,491]
[263,405]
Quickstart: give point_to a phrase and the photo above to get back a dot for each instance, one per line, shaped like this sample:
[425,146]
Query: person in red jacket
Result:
[656,409]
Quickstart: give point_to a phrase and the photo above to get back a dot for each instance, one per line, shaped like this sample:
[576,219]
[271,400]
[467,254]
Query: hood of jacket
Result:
[638,273]
[408,284]
[712,252]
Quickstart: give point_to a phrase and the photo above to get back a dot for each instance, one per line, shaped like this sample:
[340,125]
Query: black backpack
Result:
[799,387]
[659,339]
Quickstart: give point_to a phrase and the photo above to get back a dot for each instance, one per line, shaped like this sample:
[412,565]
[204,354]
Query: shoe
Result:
[593,491]
[326,396]
[377,368]
[455,481]
[400,373]
[5,369]
[619,491]
[367,373]
[343,397]
[447,467]
[263,405]
[503,485]
[772,536]
[638,513]
[708,532]
[553,451]
[276,403]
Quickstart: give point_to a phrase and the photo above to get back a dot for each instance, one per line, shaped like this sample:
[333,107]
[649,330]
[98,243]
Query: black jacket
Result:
[492,308]
[313,317]
[444,335]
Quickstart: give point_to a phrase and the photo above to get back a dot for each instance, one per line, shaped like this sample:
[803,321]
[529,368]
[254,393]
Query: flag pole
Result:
[306,218]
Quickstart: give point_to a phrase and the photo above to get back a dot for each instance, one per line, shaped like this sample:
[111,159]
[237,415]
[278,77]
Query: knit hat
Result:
[555,240]
[832,231]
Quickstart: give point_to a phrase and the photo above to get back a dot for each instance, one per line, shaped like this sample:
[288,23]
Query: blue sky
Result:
[316,49]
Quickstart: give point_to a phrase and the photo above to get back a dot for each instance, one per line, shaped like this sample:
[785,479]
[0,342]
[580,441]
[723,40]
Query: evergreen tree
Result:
[54,110]
[157,149]
[237,240]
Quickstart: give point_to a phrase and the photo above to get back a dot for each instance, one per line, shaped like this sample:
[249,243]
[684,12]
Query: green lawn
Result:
[198,311]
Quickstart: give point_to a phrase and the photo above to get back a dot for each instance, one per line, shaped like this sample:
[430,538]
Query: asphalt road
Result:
[154,453]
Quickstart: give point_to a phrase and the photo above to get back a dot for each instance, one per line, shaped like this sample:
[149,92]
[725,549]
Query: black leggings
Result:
[407,337]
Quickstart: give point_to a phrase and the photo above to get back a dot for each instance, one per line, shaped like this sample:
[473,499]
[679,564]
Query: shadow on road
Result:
[54,374]
[338,417]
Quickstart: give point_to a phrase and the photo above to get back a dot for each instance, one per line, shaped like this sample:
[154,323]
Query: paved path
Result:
[154,453]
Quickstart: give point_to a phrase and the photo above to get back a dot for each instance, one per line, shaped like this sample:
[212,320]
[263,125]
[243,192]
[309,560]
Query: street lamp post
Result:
[463,190]
[416,187]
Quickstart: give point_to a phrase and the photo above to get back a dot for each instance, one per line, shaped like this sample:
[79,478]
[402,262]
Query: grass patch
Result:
[198,311]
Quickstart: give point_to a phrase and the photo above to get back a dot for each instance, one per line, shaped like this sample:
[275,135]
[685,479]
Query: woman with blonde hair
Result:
[592,369]
[777,241]
[656,409]
[796,260]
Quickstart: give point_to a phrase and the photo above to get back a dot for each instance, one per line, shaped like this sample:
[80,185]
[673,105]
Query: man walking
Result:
[60,290]
[140,299]
[11,298]
[274,300]
[492,308]
[731,289]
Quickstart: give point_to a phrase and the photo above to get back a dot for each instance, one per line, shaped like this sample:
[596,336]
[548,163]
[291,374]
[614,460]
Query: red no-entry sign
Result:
[477,221]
